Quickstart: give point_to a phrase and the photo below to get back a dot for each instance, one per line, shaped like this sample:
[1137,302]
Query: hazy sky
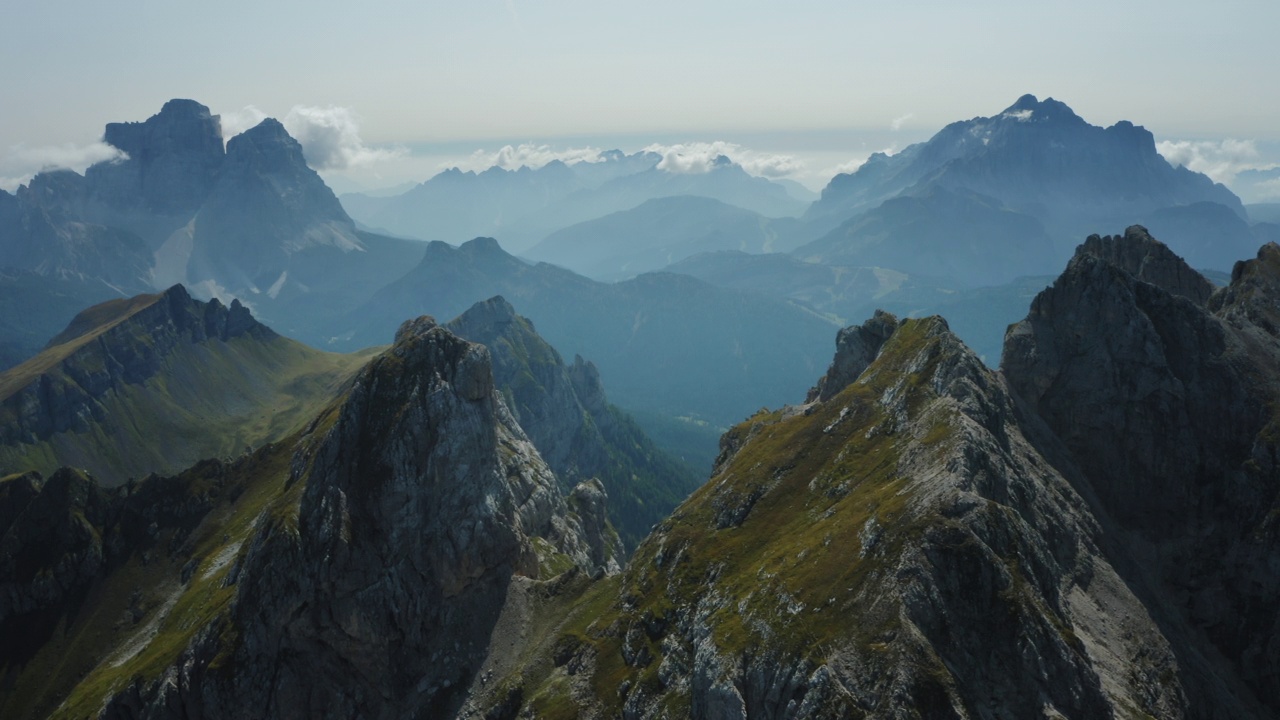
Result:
[792,76]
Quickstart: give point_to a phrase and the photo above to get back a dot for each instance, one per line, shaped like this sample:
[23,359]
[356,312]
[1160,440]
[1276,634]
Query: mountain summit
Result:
[1051,175]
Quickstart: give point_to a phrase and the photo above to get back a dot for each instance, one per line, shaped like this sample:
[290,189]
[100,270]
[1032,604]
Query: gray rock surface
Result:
[856,348]
[419,506]
[265,206]
[1168,406]
[564,410]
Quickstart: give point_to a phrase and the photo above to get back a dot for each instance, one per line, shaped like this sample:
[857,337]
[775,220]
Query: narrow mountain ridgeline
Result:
[357,568]
[564,411]
[1088,533]
[157,382]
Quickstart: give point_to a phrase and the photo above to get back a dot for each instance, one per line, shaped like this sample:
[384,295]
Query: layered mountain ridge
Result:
[664,343]
[155,383]
[524,205]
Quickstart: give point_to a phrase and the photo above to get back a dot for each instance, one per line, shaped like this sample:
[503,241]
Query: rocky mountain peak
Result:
[267,146]
[856,347]
[487,317]
[172,159]
[482,247]
[266,205]
[1166,403]
[422,504]
[1148,260]
[1030,109]
[414,327]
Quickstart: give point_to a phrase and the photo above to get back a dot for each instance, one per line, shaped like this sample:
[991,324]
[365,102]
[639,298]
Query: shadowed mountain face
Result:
[172,162]
[955,237]
[266,206]
[564,411]
[157,382]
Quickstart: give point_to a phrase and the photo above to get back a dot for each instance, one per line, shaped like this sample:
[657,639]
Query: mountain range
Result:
[522,206]
[1086,532]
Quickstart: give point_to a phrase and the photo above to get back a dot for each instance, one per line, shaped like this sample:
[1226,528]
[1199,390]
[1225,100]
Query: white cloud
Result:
[1268,190]
[1021,115]
[528,155]
[1219,160]
[701,157]
[237,122]
[898,122]
[330,138]
[21,163]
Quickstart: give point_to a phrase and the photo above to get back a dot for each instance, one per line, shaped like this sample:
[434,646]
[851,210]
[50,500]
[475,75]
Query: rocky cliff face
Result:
[357,569]
[172,160]
[265,206]
[564,410]
[43,230]
[372,578]
[1166,397]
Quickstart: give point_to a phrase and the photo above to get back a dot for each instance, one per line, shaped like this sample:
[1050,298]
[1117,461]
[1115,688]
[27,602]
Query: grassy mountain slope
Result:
[141,385]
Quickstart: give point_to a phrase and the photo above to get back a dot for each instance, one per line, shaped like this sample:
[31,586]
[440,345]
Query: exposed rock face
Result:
[1092,536]
[172,161]
[60,536]
[43,230]
[564,410]
[856,347]
[901,549]
[265,206]
[418,505]
[1168,405]
[1149,260]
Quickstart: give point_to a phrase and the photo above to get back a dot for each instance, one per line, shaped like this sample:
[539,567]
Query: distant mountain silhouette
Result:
[659,232]
[524,205]
[1036,159]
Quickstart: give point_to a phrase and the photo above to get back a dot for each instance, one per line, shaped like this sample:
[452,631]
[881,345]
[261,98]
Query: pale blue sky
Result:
[488,72]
